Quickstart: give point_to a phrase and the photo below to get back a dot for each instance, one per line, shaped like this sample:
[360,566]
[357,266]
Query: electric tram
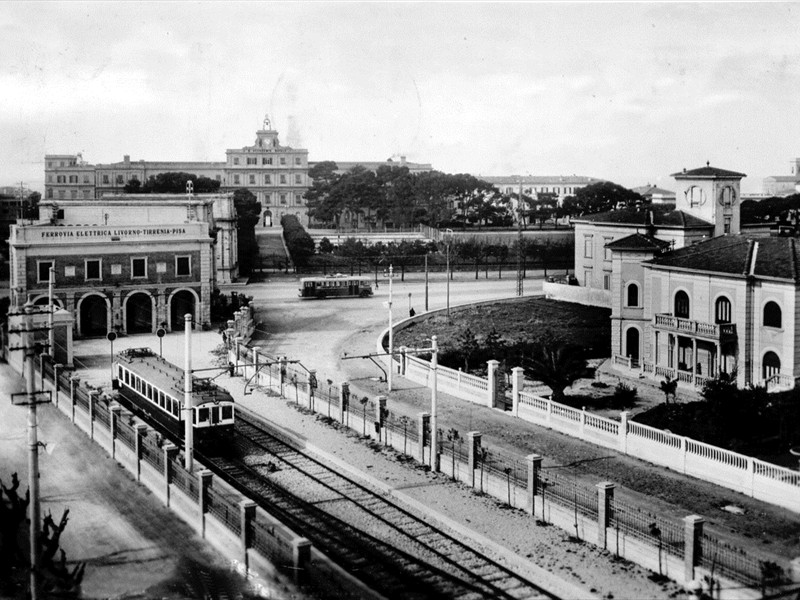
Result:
[335,286]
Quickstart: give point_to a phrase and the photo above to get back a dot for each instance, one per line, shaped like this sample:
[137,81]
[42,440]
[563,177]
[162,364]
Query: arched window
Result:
[722,310]
[682,305]
[770,365]
[632,298]
[772,314]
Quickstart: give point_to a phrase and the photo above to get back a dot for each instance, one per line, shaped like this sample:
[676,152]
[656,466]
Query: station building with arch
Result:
[128,264]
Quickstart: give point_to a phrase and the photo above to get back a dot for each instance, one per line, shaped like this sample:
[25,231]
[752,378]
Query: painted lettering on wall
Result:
[76,233]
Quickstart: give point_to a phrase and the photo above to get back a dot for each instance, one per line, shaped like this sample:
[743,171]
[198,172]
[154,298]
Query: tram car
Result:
[335,286]
[155,387]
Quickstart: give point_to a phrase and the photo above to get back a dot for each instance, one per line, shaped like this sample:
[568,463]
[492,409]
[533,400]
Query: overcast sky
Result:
[629,92]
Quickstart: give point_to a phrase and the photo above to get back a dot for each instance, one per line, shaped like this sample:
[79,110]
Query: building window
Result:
[283,160]
[183,266]
[61,194]
[86,193]
[770,365]
[283,178]
[726,225]
[73,194]
[607,251]
[120,180]
[252,160]
[772,315]
[632,296]
[105,179]
[297,160]
[219,178]
[252,179]
[236,179]
[85,179]
[138,267]
[92,269]
[587,278]
[266,160]
[73,179]
[695,196]
[722,310]
[43,270]
[298,198]
[682,305]
[236,160]
[267,179]
[606,281]
[727,196]
[587,246]
[267,198]
[50,193]
[283,198]
[298,178]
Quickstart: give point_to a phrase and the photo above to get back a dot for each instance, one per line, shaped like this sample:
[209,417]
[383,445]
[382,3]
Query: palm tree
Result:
[668,386]
[557,365]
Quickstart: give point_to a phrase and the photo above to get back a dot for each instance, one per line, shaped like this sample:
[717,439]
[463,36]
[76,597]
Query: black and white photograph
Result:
[399,300]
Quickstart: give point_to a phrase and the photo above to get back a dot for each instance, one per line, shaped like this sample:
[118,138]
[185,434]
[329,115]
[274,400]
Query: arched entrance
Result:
[182,302]
[94,316]
[44,301]
[139,313]
[770,365]
[632,344]
[267,218]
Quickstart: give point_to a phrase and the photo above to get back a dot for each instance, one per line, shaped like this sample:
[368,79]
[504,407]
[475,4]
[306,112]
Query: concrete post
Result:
[403,358]
[534,469]
[204,478]
[113,417]
[344,399]
[517,383]
[255,350]
[623,431]
[56,367]
[473,445]
[301,556]
[247,514]
[380,409]
[491,388]
[605,494]
[312,390]
[692,536]
[423,422]
[139,431]
[582,425]
[93,396]
[170,455]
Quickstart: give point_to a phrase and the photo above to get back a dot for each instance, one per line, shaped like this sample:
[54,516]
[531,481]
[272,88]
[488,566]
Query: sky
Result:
[629,92]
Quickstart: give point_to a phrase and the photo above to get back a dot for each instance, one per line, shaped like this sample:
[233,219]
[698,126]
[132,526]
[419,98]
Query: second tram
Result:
[335,286]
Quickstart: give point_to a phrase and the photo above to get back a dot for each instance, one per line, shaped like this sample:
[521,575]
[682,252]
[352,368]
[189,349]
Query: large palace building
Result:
[128,264]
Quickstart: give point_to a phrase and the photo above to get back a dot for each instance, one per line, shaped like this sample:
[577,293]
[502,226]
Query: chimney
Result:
[402,160]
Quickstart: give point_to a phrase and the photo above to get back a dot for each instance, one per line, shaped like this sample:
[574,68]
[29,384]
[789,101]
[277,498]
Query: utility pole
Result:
[434,398]
[520,277]
[188,431]
[391,333]
[50,334]
[33,450]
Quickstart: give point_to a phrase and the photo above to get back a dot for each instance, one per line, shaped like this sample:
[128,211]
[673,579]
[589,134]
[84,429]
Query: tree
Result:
[557,365]
[467,346]
[668,386]
[600,197]
[248,211]
[322,204]
[298,242]
[172,182]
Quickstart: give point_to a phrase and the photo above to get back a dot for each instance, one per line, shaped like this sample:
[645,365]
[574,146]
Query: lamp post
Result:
[188,431]
[449,234]
[391,334]
[434,393]
[426,282]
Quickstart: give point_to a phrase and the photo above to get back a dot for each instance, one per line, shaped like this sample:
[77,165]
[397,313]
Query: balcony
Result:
[691,328]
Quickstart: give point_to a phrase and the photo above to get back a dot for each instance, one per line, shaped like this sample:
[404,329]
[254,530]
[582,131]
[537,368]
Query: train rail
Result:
[394,551]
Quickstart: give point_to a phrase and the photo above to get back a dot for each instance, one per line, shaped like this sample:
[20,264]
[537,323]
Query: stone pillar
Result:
[312,388]
[255,350]
[301,556]
[93,396]
[423,422]
[491,388]
[344,399]
[605,494]
[694,360]
[473,456]
[113,417]
[403,359]
[247,514]
[517,382]
[692,536]
[139,430]
[204,478]
[380,416]
[534,469]
[56,367]
[170,455]
[73,383]
[623,431]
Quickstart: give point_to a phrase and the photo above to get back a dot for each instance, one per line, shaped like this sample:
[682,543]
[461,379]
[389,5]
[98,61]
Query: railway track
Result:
[394,551]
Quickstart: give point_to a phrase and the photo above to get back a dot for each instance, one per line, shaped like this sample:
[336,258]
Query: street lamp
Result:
[449,234]
[391,333]
[434,392]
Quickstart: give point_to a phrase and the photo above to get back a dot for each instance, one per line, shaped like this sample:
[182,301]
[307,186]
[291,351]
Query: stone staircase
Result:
[270,247]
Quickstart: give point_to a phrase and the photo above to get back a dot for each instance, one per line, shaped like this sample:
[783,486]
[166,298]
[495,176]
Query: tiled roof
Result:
[637,241]
[738,255]
[649,190]
[658,216]
[708,172]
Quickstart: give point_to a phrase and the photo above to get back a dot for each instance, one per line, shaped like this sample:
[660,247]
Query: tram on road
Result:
[155,387]
[335,286]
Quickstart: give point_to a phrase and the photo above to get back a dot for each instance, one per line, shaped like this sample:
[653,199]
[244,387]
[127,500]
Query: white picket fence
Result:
[745,474]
